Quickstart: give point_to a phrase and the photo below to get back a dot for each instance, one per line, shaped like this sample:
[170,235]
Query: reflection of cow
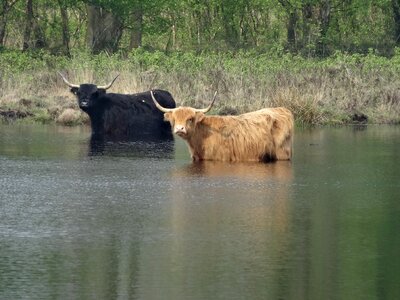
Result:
[266,183]
[281,171]
[234,217]
[263,135]
[123,117]
[132,149]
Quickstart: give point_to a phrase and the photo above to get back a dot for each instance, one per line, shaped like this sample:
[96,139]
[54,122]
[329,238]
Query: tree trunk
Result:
[291,31]
[3,24]
[396,16]
[104,30]
[28,25]
[324,20]
[65,29]
[231,33]
[4,10]
[136,31]
[3,21]
[39,35]
[291,25]
[307,17]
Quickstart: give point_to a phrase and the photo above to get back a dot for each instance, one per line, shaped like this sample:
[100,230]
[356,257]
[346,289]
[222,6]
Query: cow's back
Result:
[262,135]
[135,117]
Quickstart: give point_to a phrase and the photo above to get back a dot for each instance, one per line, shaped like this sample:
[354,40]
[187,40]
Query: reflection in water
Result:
[281,170]
[227,225]
[126,224]
[161,149]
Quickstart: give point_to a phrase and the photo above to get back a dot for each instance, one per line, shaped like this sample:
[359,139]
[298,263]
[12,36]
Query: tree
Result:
[34,36]
[312,27]
[324,24]
[228,20]
[64,26]
[137,26]
[396,17]
[291,11]
[4,11]
[104,29]
[28,25]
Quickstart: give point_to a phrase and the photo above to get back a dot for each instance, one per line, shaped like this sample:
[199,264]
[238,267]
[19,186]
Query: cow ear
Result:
[74,90]
[167,116]
[101,91]
[199,117]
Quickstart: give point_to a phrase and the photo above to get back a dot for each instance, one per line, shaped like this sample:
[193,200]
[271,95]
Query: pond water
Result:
[132,221]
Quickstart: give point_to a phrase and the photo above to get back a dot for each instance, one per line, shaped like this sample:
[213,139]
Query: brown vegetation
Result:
[315,96]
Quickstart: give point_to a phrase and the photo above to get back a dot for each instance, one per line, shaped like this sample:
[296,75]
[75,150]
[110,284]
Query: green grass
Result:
[327,91]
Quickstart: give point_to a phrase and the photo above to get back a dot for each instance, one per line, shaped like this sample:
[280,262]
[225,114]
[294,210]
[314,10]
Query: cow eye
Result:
[190,121]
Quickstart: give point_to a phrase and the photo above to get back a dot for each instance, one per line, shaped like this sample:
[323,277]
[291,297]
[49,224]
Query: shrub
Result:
[69,117]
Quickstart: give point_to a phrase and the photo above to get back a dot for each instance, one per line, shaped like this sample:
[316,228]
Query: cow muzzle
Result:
[84,103]
[180,130]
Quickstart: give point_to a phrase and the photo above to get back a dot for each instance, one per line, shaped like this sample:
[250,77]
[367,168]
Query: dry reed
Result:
[316,96]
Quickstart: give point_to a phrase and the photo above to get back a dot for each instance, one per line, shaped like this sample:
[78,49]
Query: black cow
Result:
[122,117]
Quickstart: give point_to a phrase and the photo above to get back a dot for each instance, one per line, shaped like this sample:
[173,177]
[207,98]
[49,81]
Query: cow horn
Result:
[106,87]
[163,109]
[207,109]
[67,82]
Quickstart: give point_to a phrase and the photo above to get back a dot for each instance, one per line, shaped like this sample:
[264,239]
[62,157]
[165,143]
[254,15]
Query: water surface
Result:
[140,221]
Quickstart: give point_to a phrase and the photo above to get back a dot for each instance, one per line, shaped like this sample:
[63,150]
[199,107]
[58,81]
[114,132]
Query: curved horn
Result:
[207,109]
[108,85]
[163,109]
[67,82]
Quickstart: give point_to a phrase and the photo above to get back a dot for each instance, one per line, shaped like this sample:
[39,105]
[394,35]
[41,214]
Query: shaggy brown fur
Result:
[263,135]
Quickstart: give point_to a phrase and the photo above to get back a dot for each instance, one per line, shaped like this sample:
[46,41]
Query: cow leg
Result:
[284,152]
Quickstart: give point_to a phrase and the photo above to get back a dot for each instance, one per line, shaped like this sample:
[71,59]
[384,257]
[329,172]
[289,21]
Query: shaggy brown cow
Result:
[263,135]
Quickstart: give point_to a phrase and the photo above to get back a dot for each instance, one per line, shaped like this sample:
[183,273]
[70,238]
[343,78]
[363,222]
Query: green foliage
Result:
[242,62]
[15,61]
[218,25]
[42,116]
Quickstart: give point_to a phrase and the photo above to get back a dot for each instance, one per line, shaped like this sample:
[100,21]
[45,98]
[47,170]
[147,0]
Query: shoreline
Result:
[75,117]
[340,90]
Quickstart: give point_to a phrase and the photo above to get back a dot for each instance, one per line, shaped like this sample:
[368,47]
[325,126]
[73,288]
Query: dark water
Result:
[135,221]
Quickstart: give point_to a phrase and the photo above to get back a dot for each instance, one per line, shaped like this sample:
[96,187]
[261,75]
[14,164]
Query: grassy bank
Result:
[329,91]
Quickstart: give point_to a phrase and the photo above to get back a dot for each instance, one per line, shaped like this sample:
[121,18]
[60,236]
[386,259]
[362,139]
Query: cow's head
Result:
[183,119]
[87,93]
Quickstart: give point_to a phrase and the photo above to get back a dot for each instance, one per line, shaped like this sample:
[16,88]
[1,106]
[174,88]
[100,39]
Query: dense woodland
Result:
[311,28]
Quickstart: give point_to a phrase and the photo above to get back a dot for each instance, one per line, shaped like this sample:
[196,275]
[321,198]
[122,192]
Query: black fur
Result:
[119,117]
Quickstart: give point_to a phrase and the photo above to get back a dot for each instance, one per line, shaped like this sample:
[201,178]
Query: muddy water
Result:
[140,221]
